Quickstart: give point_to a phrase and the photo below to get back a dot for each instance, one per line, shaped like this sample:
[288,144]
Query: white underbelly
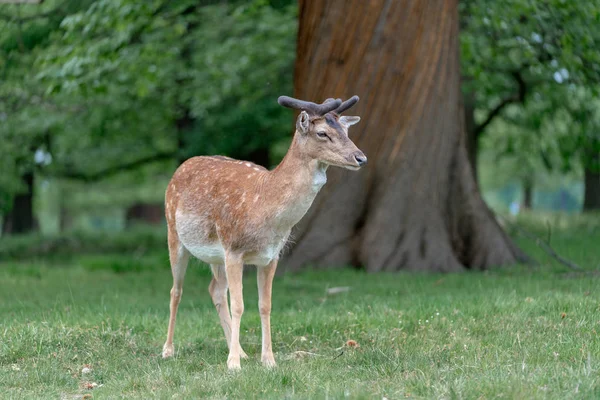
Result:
[262,258]
[210,253]
[213,253]
[192,230]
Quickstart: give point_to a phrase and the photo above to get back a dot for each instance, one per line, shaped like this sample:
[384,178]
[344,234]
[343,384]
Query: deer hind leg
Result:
[265,284]
[179,256]
[218,291]
[234,266]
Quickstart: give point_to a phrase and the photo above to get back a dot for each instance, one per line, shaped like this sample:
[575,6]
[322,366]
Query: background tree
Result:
[204,67]
[417,205]
[27,116]
[512,49]
[113,86]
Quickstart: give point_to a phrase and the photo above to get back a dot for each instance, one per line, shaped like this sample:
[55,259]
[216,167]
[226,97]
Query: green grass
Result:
[517,333]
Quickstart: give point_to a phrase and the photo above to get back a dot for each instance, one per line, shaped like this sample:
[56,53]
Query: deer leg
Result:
[179,257]
[265,284]
[218,292]
[234,266]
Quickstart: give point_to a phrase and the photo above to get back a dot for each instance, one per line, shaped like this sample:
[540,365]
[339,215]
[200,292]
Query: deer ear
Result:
[303,122]
[349,121]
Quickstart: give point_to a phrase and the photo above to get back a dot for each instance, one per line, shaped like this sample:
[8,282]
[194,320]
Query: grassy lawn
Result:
[515,333]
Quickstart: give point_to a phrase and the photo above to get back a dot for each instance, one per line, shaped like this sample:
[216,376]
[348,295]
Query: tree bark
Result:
[472,140]
[591,197]
[20,218]
[416,206]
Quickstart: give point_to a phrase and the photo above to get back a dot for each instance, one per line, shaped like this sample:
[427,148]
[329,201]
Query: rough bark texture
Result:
[472,135]
[416,205]
[20,219]
[591,197]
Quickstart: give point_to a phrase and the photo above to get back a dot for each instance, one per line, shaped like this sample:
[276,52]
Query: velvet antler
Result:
[330,104]
[347,104]
[309,107]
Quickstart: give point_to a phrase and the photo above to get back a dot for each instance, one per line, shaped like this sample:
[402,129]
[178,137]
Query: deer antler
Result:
[347,104]
[309,107]
[330,104]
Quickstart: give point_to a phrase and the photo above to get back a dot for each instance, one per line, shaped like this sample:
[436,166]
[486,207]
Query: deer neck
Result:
[295,183]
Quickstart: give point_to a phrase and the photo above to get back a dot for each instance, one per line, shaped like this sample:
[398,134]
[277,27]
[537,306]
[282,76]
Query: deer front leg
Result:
[234,266]
[218,293]
[265,284]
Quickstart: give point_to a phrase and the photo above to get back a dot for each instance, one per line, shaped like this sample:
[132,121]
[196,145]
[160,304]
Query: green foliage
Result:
[140,241]
[25,114]
[541,57]
[96,87]
[545,40]
[220,66]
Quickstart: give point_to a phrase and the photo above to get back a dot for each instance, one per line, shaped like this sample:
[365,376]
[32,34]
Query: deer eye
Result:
[322,134]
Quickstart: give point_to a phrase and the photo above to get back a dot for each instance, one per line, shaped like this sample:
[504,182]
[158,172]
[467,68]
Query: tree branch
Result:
[113,170]
[543,245]
[494,112]
[518,97]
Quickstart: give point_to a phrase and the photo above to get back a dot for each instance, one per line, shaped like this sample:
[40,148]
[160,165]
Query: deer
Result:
[228,213]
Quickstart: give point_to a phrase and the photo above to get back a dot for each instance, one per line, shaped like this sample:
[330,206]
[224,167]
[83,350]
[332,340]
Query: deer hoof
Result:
[268,361]
[168,351]
[233,364]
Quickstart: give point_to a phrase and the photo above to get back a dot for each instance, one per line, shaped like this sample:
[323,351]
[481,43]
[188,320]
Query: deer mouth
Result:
[351,167]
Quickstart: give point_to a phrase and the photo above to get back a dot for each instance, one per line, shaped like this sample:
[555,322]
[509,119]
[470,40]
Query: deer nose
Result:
[360,158]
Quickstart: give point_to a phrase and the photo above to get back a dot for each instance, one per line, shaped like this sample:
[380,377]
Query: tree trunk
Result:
[472,140]
[20,218]
[591,197]
[527,194]
[184,126]
[416,205]
[148,213]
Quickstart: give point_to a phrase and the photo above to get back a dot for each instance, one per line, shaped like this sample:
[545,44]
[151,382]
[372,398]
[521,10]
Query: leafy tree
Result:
[515,48]
[126,83]
[210,72]
[27,115]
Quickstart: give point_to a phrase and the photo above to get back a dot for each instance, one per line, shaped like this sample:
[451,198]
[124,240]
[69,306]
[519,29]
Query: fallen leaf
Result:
[352,343]
[89,385]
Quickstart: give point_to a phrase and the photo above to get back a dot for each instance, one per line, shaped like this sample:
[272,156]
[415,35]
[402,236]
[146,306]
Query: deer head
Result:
[322,133]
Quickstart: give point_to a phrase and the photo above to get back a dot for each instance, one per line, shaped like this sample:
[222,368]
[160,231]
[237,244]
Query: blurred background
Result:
[100,101]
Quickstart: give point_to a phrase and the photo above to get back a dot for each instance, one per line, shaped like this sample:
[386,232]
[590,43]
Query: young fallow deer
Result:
[229,213]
